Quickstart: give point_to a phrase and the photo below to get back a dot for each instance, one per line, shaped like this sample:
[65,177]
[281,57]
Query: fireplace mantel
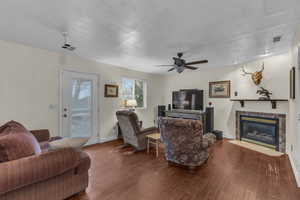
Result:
[273,101]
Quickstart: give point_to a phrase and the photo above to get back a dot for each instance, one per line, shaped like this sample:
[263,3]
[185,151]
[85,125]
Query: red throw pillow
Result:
[17,142]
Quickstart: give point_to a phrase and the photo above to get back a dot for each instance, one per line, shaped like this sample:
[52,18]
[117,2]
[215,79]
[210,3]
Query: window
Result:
[134,89]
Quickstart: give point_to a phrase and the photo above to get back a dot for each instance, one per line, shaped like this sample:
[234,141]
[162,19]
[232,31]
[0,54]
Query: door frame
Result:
[96,127]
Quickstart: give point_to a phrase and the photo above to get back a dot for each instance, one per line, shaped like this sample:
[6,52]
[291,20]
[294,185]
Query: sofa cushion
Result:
[17,142]
[68,143]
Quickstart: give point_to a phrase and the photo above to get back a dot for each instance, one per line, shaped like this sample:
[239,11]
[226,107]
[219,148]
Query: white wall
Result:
[294,112]
[29,84]
[276,79]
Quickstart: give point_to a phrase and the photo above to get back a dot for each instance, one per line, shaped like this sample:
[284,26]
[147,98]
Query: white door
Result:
[79,105]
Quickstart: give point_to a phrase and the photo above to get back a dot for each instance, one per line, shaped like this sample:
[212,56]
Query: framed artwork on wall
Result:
[111,90]
[292,83]
[219,89]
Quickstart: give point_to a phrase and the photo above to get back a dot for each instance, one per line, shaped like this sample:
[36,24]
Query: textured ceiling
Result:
[138,34]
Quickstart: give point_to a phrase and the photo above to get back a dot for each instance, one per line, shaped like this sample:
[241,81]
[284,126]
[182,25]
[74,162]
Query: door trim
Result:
[60,95]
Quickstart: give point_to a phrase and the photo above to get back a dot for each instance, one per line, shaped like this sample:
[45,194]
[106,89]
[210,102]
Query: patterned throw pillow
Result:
[17,142]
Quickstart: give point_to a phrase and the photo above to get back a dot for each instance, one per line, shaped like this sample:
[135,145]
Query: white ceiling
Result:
[138,34]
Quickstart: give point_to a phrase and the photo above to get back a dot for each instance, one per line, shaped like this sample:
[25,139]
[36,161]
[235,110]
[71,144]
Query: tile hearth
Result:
[258,148]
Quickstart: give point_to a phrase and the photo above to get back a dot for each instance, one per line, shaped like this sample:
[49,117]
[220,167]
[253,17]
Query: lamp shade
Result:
[131,103]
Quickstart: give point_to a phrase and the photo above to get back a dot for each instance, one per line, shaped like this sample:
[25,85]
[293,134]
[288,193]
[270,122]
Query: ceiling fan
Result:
[180,64]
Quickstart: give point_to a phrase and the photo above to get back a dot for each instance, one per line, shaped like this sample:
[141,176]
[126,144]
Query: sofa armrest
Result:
[42,135]
[84,163]
[19,173]
[149,131]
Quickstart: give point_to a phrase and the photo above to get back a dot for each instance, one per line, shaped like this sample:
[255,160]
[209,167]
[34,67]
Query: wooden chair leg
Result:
[148,145]
[157,148]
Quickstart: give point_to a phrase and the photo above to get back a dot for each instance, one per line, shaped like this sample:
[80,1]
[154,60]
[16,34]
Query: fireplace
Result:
[259,130]
[267,129]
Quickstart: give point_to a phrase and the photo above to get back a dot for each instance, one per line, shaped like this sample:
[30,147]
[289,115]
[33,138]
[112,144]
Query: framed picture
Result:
[219,89]
[111,90]
[292,83]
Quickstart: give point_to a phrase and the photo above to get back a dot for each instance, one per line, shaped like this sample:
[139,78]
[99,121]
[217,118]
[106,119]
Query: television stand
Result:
[188,114]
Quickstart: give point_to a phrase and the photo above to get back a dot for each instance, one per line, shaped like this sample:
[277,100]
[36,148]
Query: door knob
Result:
[65,115]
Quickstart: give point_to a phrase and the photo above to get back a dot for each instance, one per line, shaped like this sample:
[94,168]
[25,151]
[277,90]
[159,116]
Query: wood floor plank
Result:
[231,173]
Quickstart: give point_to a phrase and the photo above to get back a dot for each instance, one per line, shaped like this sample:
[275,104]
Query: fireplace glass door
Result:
[263,131]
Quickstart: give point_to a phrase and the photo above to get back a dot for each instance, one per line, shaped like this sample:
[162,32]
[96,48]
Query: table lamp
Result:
[131,104]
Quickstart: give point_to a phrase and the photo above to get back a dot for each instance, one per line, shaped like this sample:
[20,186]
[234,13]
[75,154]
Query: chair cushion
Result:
[17,142]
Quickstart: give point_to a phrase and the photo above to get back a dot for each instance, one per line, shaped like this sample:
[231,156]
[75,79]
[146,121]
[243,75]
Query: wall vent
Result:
[276,39]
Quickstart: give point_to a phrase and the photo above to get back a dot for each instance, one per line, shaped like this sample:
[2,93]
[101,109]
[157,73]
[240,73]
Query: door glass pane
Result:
[81,112]
[139,93]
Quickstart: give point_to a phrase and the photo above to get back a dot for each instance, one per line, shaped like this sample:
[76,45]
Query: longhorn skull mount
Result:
[256,76]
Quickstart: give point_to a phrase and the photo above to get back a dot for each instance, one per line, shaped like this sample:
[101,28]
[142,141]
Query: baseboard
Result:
[295,170]
[102,140]
[228,136]
[92,141]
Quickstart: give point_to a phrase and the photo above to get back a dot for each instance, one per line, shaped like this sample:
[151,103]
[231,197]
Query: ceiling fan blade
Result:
[197,62]
[191,67]
[164,65]
[171,69]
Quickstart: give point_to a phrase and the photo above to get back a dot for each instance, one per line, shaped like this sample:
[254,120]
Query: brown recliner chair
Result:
[132,133]
[184,142]
[52,175]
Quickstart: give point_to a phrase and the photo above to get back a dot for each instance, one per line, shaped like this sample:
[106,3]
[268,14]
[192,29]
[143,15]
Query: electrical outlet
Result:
[52,106]
[236,93]
[292,148]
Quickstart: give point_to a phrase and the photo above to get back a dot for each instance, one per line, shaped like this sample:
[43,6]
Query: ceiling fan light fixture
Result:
[180,70]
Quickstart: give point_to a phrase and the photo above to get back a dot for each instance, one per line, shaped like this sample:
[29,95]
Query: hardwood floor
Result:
[231,173]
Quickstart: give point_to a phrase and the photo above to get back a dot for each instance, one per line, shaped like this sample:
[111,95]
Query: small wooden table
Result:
[153,139]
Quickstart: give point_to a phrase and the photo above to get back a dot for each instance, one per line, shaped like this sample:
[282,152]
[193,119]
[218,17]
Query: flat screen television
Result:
[187,99]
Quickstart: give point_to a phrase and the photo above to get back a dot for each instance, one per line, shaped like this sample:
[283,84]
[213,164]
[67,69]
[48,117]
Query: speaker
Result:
[209,119]
[161,111]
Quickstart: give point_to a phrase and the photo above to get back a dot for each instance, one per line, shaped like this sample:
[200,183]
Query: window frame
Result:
[144,90]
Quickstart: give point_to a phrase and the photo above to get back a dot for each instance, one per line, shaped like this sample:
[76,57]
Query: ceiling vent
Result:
[276,39]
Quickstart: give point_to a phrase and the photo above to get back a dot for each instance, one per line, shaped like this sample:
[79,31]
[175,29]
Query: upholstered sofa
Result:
[48,175]
[184,142]
[132,132]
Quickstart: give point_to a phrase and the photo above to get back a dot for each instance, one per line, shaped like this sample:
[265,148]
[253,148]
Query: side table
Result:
[153,139]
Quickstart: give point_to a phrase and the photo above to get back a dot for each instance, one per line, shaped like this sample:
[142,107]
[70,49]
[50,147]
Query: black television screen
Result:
[187,99]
